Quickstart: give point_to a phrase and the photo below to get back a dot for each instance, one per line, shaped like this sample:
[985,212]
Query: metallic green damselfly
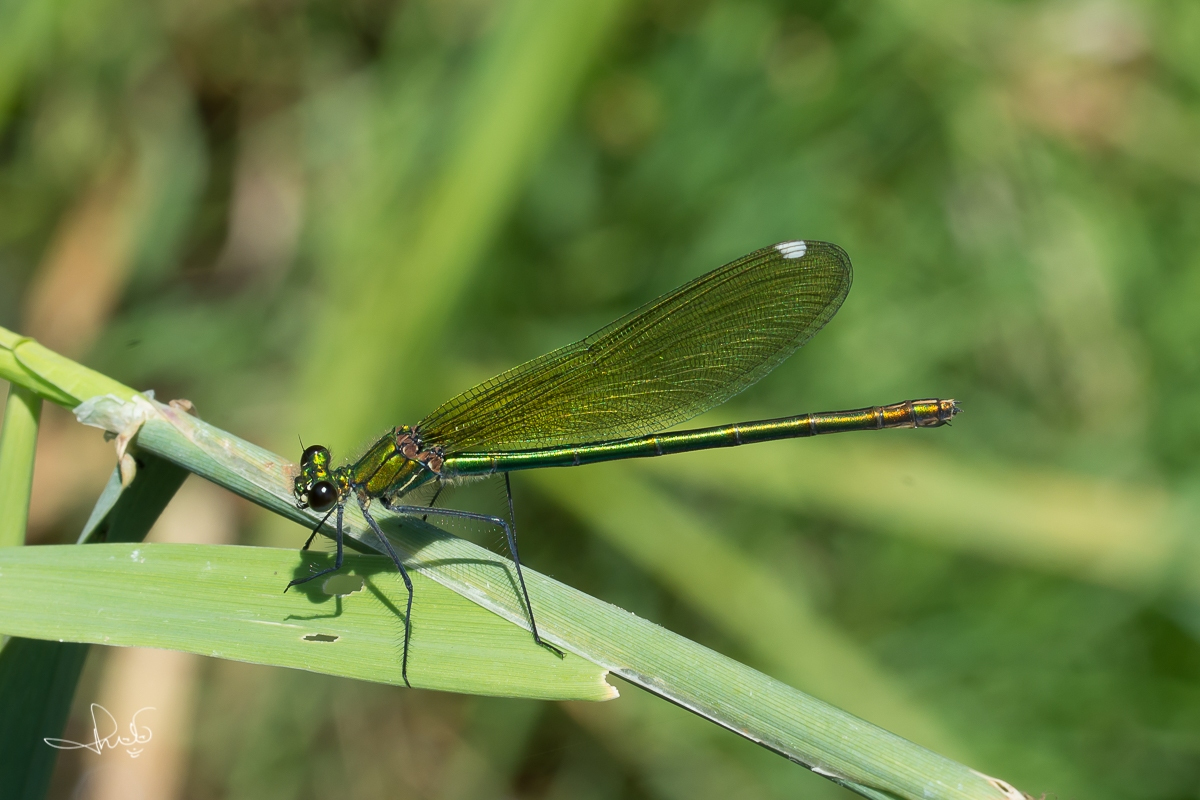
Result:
[611,396]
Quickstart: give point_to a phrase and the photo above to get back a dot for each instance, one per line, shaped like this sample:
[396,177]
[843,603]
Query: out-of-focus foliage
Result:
[248,203]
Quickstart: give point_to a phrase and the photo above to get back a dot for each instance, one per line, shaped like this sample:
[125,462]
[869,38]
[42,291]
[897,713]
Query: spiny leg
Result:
[433,499]
[313,535]
[407,585]
[510,531]
[512,546]
[337,562]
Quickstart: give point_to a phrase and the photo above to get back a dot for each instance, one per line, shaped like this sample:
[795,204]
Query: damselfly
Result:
[611,396]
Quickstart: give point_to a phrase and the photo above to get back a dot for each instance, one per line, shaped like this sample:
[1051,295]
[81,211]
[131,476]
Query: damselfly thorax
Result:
[394,465]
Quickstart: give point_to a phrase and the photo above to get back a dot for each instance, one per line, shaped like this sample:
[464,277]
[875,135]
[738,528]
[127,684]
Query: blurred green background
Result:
[324,218]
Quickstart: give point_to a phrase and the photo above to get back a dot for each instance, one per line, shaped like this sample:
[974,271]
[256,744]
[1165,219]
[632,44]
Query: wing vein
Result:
[664,363]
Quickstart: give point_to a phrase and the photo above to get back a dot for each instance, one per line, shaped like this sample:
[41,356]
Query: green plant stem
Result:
[837,745]
[18,444]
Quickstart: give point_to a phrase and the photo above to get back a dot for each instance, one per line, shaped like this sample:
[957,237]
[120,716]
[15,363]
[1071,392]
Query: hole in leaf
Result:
[320,637]
[342,584]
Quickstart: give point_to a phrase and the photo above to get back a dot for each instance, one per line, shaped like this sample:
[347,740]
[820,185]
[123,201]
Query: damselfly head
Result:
[313,487]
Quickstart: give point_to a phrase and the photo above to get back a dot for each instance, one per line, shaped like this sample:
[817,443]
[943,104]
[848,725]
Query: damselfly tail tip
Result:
[943,412]
[950,409]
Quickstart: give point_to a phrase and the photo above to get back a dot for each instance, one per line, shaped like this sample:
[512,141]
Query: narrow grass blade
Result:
[127,515]
[37,682]
[18,443]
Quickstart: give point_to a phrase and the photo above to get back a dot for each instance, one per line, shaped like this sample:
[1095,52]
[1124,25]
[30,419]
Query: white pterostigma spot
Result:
[792,249]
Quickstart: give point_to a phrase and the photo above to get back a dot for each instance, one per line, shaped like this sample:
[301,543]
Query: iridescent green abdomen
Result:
[910,414]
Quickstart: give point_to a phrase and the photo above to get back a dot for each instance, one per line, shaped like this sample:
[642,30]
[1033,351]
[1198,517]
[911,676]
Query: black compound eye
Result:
[322,496]
[310,453]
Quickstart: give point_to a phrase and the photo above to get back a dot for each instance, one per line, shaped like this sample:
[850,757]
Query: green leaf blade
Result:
[228,602]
